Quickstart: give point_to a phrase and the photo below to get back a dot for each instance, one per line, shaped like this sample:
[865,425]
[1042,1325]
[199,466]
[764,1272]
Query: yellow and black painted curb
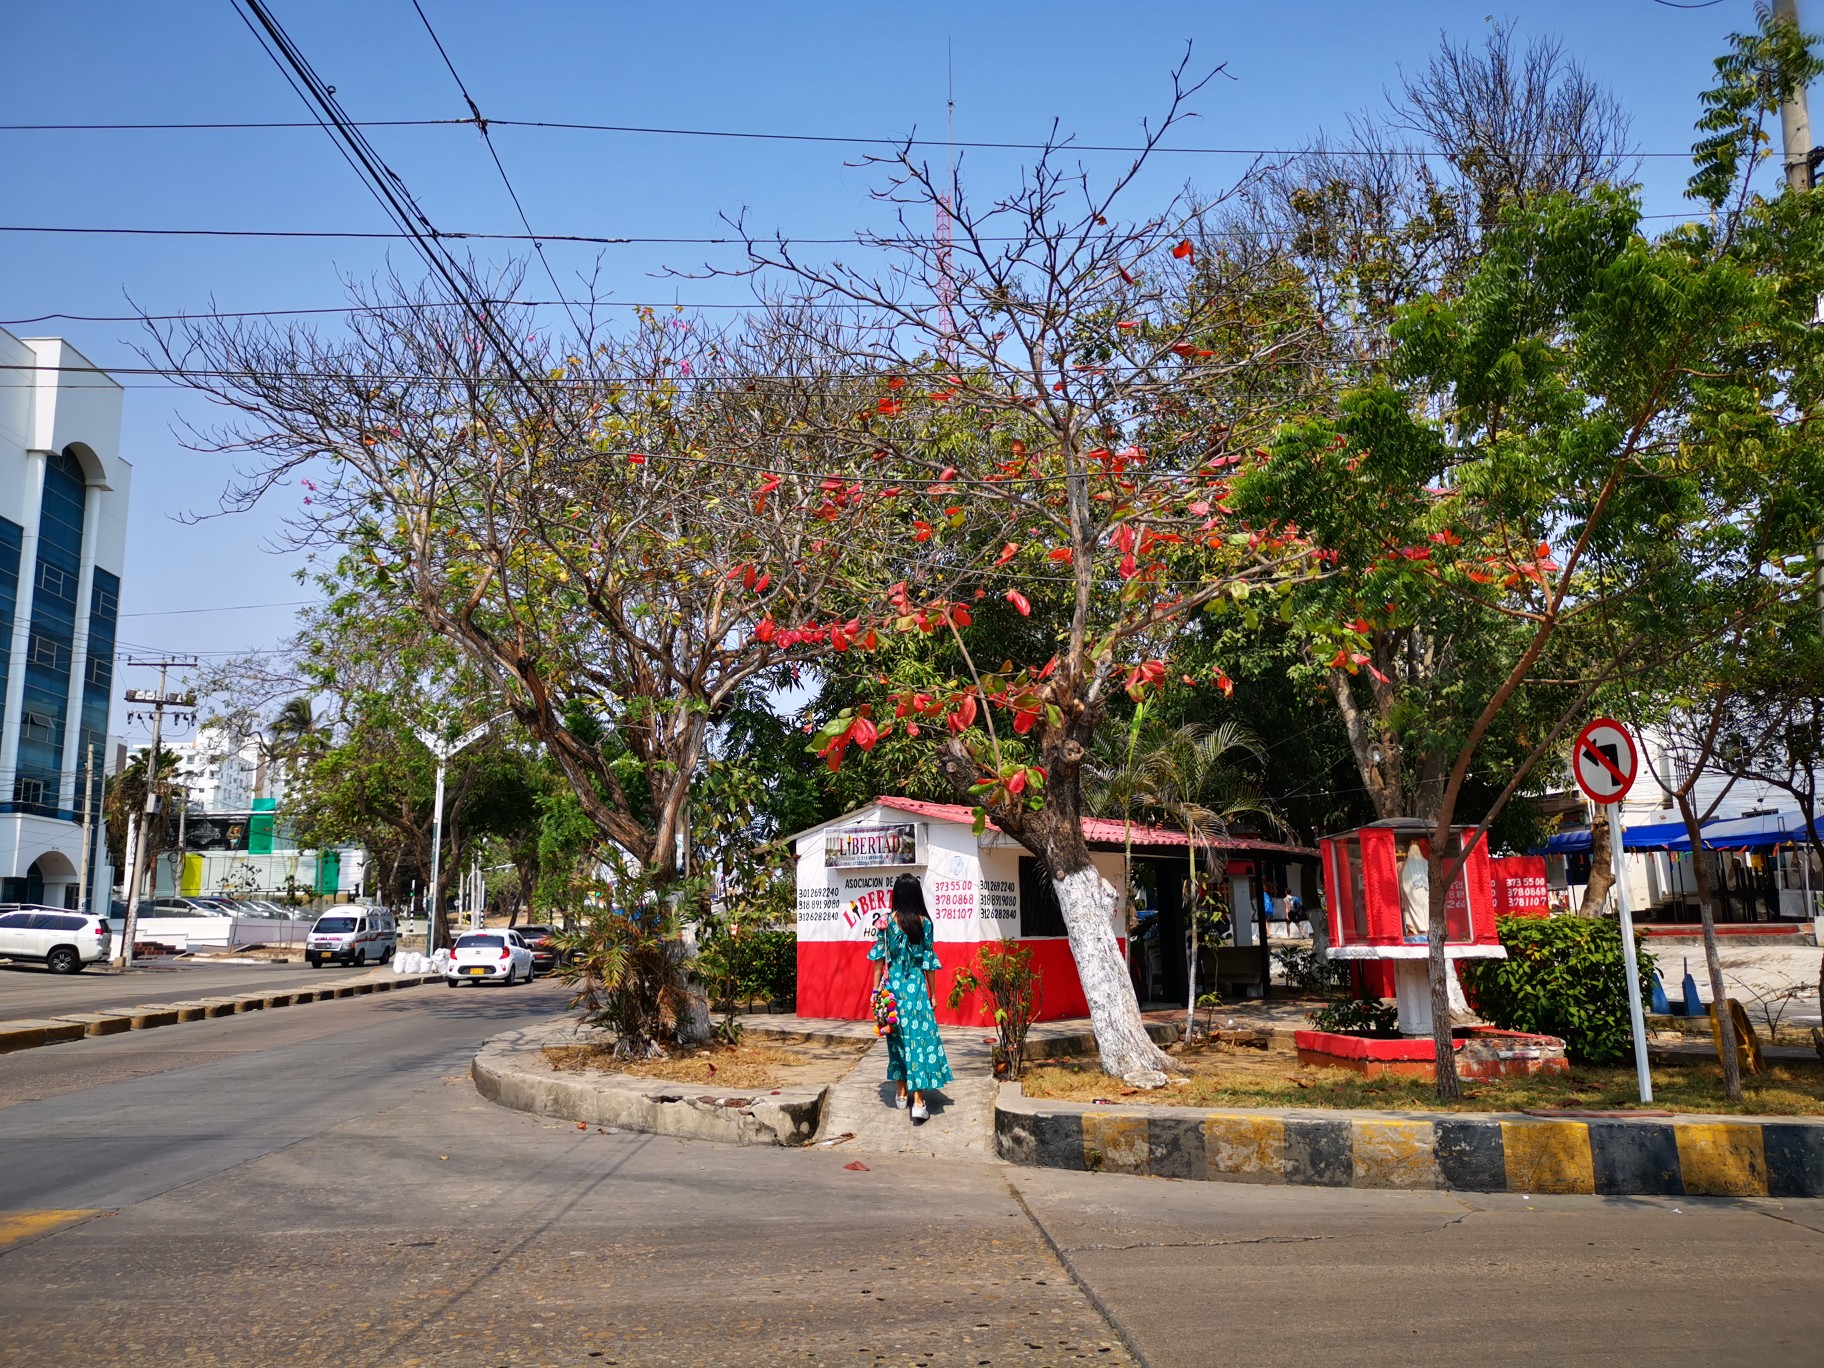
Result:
[1669,1156]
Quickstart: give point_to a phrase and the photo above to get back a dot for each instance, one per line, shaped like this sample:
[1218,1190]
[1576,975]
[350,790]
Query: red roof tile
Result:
[1096,830]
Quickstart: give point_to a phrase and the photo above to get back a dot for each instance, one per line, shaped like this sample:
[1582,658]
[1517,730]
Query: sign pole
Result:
[1636,1020]
[1604,762]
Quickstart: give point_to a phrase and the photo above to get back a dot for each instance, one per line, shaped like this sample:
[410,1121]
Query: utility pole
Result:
[443,750]
[88,829]
[160,700]
[1795,133]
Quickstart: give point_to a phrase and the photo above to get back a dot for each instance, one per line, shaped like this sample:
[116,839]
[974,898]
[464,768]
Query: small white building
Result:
[63,522]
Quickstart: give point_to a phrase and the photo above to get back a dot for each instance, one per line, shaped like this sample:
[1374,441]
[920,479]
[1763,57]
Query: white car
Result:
[489,957]
[62,941]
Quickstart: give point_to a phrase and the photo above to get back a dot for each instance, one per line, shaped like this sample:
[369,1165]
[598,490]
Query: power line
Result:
[223,608]
[380,180]
[840,139]
[857,239]
[481,125]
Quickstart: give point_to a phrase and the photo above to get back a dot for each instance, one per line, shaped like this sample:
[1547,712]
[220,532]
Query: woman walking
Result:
[915,1054]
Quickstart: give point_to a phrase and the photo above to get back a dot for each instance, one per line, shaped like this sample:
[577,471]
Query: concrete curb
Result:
[1713,1156]
[29,1034]
[511,1072]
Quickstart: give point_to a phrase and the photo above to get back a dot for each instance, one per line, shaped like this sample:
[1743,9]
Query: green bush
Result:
[1306,974]
[752,963]
[1356,1015]
[1564,977]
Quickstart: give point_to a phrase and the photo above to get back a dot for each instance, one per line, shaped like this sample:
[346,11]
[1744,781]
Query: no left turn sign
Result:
[1605,761]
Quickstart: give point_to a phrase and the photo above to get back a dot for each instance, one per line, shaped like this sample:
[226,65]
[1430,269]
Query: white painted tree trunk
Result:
[1087,901]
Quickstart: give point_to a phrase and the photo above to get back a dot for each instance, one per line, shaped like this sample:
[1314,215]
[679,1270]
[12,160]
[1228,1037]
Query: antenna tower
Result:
[946,283]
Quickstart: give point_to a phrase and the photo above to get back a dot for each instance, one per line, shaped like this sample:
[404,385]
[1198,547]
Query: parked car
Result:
[62,941]
[352,935]
[490,957]
[541,941]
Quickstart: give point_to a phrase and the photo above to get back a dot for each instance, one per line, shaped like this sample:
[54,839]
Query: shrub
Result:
[1004,969]
[1356,1015]
[1306,973]
[628,974]
[1564,977]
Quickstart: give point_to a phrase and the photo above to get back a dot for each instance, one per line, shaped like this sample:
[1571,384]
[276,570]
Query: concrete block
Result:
[1470,1154]
[189,1011]
[1115,1142]
[100,1023]
[1795,1158]
[1244,1149]
[1722,1159]
[1319,1152]
[1175,1146]
[1395,1154]
[1635,1158]
[1548,1156]
[29,1034]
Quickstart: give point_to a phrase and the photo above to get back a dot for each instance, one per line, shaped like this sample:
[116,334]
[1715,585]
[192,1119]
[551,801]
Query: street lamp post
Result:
[443,750]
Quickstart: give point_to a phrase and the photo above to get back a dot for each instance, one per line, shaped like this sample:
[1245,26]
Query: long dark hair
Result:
[909,907]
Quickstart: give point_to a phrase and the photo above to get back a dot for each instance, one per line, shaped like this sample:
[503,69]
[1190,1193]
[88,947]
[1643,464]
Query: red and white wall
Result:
[972,889]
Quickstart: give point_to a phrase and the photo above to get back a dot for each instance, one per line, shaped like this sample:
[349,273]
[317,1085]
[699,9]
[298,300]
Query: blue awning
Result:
[1649,836]
[1750,833]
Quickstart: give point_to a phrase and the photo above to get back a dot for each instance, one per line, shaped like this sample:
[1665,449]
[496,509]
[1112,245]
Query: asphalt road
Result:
[323,1185]
[31,990]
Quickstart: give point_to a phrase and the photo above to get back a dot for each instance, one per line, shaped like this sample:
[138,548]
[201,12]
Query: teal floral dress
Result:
[914,1050]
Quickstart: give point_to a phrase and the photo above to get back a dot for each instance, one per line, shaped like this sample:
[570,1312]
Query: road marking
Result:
[16,1226]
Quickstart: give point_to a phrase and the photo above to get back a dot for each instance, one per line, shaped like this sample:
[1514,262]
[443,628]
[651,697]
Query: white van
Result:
[352,935]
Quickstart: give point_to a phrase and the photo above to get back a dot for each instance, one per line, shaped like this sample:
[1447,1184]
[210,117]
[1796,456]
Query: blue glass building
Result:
[63,507]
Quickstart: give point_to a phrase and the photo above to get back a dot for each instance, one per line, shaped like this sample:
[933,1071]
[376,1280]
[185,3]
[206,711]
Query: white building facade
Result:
[63,521]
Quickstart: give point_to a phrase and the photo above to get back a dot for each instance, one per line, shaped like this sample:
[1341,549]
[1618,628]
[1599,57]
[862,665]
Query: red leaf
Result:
[1126,279]
[1016,782]
[761,583]
[1129,323]
[1184,249]
[864,732]
[1129,567]
[856,1166]
[890,407]
[960,616]
[1061,553]
[924,530]
[1023,721]
[1184,349]
[896,382]
[764,630]
[1008,553]
[1019,601]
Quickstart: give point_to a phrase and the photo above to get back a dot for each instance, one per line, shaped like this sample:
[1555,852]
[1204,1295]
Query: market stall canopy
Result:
[1652,836]
[1735,833]
[1751,833]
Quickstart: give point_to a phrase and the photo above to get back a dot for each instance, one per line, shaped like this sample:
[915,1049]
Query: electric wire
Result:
[752,135]
[481,125]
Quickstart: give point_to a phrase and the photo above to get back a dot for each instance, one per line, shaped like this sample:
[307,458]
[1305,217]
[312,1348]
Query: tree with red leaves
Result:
[1063,435]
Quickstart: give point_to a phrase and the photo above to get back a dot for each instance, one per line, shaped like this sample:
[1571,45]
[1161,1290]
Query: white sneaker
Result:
[899,1101]
[918,1111]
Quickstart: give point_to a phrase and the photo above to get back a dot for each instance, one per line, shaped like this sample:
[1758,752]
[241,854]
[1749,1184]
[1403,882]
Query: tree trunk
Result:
[1602,869]
[1087,901]
[1713,960]
[1450,1087]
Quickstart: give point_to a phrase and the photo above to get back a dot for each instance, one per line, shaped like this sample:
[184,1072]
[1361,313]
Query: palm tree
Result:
[1191,778]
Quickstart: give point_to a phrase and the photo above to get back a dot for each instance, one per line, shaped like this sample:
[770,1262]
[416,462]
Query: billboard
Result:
[874,846]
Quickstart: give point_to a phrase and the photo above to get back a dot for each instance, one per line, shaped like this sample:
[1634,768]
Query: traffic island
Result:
[512,1070]
[1610,1155]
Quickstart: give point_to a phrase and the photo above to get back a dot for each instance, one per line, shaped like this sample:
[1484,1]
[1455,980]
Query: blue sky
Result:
[839,69]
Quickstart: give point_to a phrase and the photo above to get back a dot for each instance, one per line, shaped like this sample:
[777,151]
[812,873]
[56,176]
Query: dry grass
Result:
[1249,1078]
[720,1066]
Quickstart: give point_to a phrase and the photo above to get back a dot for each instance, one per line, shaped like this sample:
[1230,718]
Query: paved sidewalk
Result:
[962,1114]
